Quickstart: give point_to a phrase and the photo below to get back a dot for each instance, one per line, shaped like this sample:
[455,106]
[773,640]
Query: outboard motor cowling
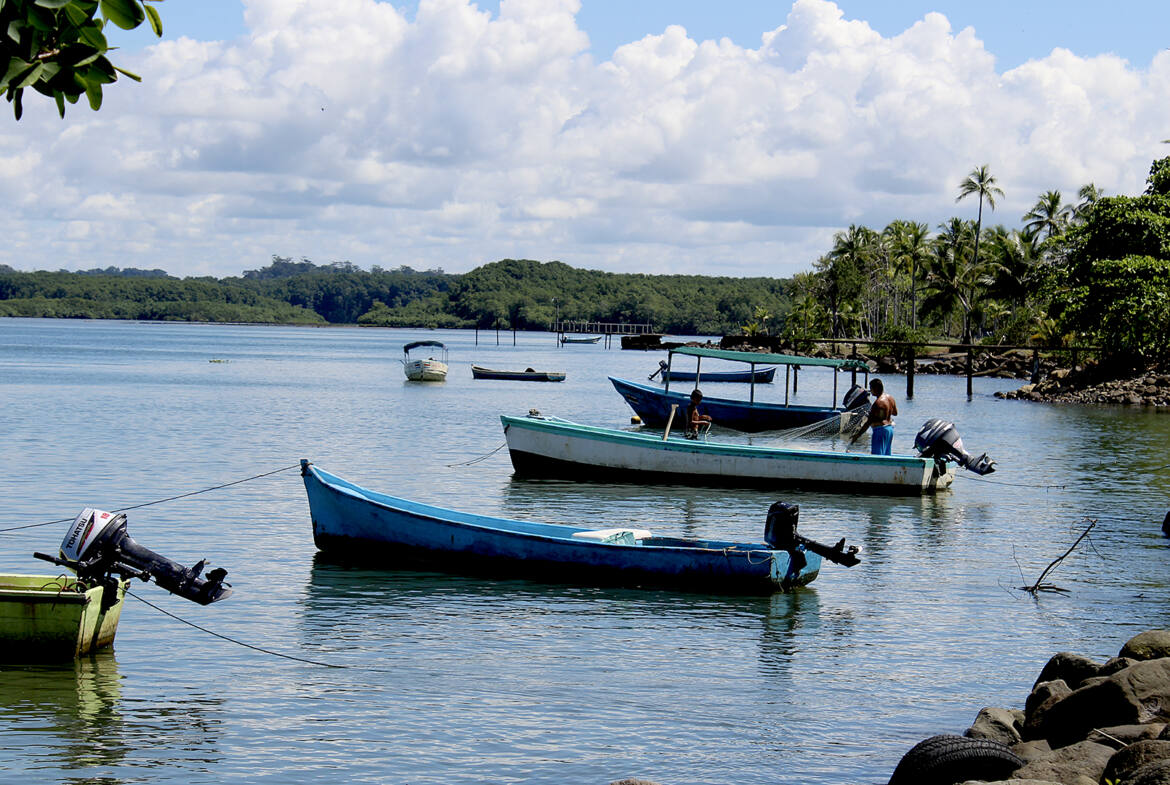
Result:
[938,439]
[98,547]
[780,534]
[857,397]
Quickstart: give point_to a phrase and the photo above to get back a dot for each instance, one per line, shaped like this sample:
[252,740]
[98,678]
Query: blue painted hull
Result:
[759,376]
[653,406]
[361,524]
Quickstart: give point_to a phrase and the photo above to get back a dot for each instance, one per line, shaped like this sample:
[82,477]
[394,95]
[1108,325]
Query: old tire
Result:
[949,759]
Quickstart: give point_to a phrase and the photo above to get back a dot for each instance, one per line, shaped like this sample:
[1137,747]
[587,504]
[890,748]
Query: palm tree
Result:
[1048,215]
[843,269]
[980,182]
[953,277]
[1089,194]
[910,245]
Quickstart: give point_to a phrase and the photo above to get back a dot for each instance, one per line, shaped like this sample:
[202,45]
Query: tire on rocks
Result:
[947,760]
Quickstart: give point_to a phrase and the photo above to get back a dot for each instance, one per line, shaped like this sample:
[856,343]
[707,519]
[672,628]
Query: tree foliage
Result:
[59,47]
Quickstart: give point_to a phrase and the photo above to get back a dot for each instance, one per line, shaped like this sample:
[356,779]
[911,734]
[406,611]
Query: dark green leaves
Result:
[58,47]
[126,14]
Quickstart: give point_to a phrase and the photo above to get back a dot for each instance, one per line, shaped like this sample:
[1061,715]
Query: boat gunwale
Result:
[598,433]
[712,400]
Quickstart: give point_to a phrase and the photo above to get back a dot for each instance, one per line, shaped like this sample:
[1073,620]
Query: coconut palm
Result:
[843,269]
[981,182]
[1089,194]
[953,277]
[1048,215]
[910,247]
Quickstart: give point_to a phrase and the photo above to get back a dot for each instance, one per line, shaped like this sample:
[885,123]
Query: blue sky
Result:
[652,136]
[1012,30]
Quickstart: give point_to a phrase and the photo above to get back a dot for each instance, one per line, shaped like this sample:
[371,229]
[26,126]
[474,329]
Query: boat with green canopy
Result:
[656,407]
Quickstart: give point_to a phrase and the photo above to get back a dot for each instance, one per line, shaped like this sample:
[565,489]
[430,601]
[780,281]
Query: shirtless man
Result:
[881,419]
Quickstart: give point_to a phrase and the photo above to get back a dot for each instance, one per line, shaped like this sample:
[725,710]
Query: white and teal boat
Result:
[551,447]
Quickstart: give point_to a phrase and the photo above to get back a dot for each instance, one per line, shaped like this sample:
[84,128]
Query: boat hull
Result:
[54,618]
[517,376]
[548,447]
[653,406]
[425,370]
[360,524]
[759,376]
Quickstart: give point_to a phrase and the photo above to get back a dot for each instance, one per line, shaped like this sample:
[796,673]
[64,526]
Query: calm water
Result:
[454,680]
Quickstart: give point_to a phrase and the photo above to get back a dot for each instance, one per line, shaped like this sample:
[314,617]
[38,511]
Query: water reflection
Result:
[77,717]
[77,703]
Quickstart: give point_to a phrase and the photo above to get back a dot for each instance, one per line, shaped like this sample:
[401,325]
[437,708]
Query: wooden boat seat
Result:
[614,536]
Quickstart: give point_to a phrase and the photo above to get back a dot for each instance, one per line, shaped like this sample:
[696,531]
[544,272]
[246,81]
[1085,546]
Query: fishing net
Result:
[844,423]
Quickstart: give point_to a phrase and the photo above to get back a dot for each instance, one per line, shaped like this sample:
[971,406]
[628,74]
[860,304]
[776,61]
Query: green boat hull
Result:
[54,617]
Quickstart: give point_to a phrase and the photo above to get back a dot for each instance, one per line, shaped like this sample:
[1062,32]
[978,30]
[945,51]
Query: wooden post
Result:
[910,363]
[1035,366]
[669,420]
[787,375]
[970,370]
[853,378]
[795,378]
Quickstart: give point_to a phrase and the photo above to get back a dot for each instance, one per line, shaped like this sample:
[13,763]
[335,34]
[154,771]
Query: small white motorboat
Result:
[428,370]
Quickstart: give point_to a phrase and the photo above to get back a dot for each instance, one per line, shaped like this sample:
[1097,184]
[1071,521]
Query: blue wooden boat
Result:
[528,375]
[551,447]
[654,405]
[755,375]
[361,524]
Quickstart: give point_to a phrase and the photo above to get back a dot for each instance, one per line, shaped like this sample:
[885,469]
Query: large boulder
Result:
[1137,694]
[1085,759]
[1070,668]
[1149,645]
[1002,725]
[1126,762]
[1157,773]
[1043,696]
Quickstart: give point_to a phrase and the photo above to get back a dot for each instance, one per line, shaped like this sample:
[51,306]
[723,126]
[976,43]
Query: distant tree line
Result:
[509,294]
[1094,271]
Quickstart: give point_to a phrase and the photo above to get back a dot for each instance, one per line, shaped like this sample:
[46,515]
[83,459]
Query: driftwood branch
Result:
[1040,585]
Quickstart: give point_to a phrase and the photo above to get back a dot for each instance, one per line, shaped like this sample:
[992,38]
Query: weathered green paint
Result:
[53,617]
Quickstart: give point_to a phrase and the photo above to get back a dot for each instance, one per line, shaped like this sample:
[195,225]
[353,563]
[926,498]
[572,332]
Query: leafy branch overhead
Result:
[58,47]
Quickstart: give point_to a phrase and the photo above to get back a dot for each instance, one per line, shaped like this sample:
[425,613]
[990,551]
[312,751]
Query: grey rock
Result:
[1085,759]
[1070,668]
[1125,762]
[1123,735]
[1149,645]
[1157,773]
[1002,725]
[1137,694]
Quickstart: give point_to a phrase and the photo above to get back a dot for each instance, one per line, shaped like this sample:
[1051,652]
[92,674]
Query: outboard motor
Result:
[857,397]
[780,534]
[97,547]
[938,439]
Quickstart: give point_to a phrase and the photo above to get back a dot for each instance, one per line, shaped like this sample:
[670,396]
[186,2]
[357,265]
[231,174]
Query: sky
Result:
[645,136]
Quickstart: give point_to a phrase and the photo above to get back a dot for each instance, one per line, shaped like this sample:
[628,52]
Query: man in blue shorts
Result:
[881,419]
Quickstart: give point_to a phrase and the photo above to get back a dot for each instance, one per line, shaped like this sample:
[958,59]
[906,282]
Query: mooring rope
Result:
[159,501]
[1013,484]
[233,640]
[480,458]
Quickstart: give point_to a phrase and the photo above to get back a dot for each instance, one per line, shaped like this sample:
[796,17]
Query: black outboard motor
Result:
[97,547]
[857,397]
[938,439]
[780,534]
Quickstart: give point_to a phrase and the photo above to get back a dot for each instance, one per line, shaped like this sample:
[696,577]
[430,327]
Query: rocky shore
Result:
[1150,388]
[1084,723]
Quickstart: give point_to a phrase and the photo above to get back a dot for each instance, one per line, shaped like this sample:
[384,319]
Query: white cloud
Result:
[343,130]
